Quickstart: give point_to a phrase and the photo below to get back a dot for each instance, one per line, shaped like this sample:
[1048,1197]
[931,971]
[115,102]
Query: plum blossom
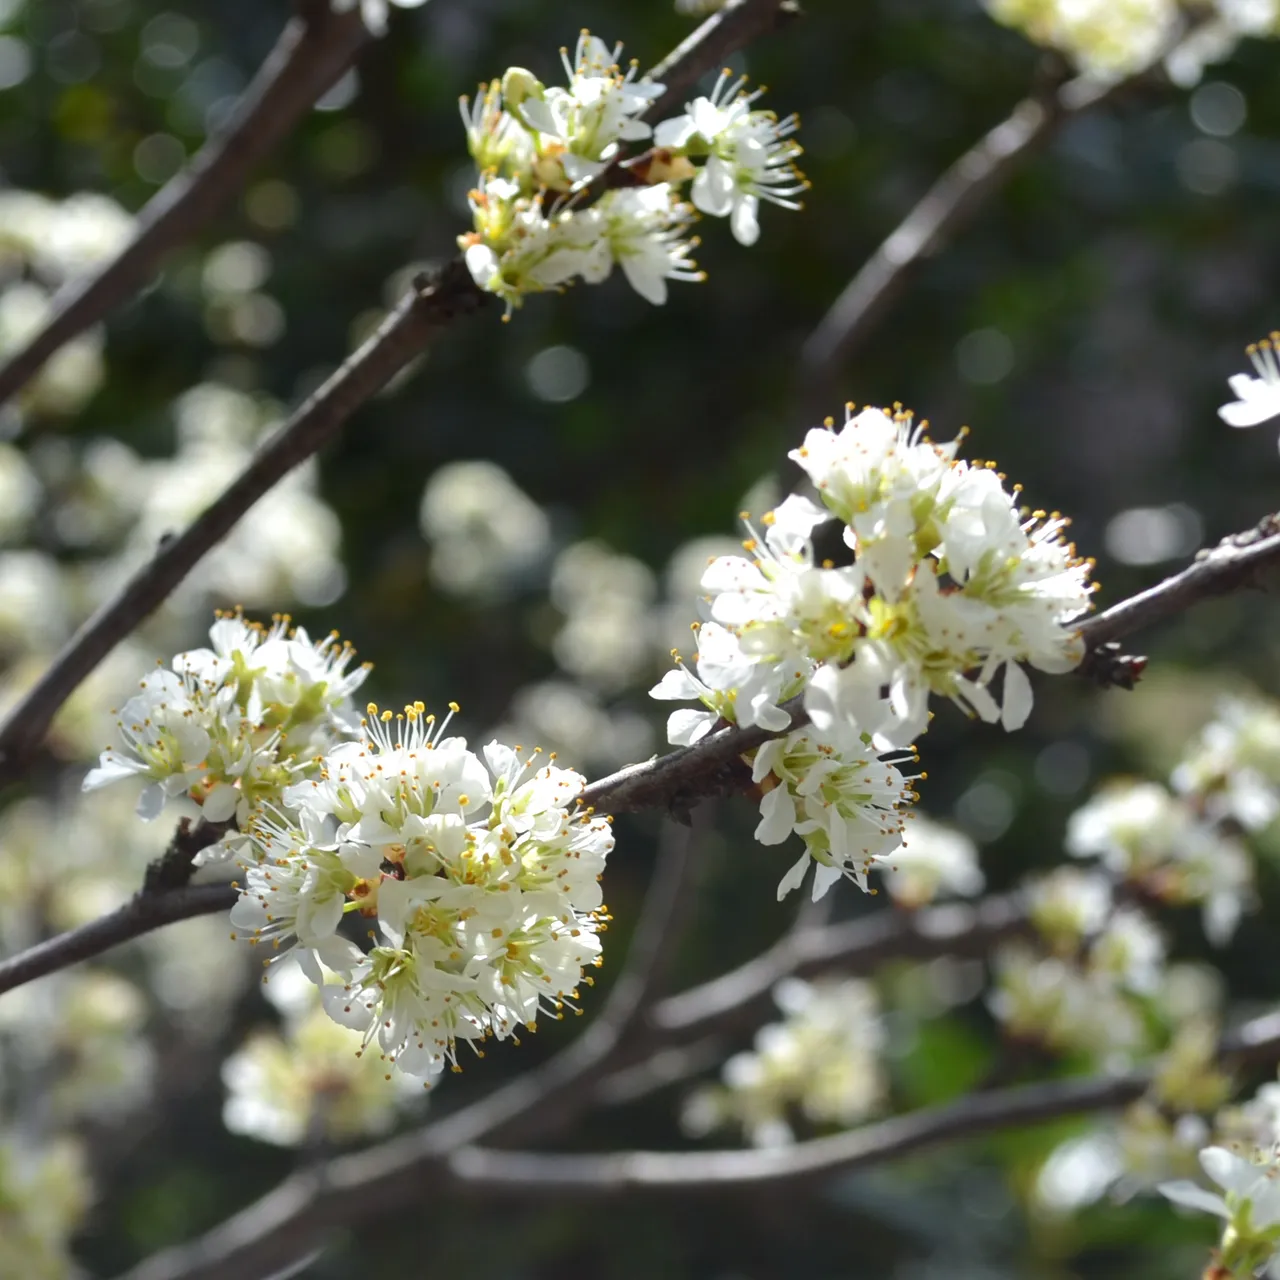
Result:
[1257,397]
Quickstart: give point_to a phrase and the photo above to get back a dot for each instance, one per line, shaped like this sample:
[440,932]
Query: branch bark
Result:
[143,913]
[952,200]
[407,331]
[311,55]
[552,1176]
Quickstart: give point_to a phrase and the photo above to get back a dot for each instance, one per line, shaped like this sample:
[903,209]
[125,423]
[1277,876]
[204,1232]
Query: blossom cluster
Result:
[822,1060]
[232,725]
[308,1080]
[1093,982]
[538,148]
[1096,981]
[952,585]
[482,874]
[1110,39]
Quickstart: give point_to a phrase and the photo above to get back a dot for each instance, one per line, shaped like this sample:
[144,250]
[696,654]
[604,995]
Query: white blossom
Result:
[232,725]
[1250,1205]
[1257,397]
[934,861]
[750,155]
[482,877]
[847,809]
[543,215]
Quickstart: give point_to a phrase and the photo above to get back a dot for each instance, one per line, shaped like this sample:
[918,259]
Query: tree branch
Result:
[310,56]
[533,1174]
[677,780]
[733,27]
[408,330]
[143,913]
[1242,560]
[952,200]
[853,947]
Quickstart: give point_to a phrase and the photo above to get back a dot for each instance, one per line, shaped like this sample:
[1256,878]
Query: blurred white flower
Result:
[45,1193]
[1233,768]
[85,230]
[71,375]
[569,720]
[311,1082]
[607,600]
[375,12]
[487,536]
[821,1060]
[934,861]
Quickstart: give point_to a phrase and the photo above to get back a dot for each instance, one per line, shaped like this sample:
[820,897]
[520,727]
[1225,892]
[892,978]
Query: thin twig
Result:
[310,56]
[408,330]
[954,198]
[735,25]
[143,913]
[1243,560]
[851,947]
[555,1176]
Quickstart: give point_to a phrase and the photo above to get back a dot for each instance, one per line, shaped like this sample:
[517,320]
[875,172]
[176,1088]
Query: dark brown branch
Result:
[956,196]
[143,913]
[554,1176]
[310,56]
[1243,560]
[429,308]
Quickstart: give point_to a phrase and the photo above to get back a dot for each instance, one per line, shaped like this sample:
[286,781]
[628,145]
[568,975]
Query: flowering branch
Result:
[952,200]
[313,51]
[675,781]
[433,303]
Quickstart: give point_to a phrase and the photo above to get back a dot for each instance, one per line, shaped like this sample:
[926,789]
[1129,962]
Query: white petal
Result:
[220,803]
[823,878]
[676,686]
[150,802]
[1248,413]
[1190,1196]
[1017,697]
[743,222]
[777,817]
[1228,1170]
[645,276]
[686,726]
[794,877]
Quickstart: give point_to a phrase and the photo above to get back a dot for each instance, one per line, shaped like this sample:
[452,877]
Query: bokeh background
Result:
[1082,326]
